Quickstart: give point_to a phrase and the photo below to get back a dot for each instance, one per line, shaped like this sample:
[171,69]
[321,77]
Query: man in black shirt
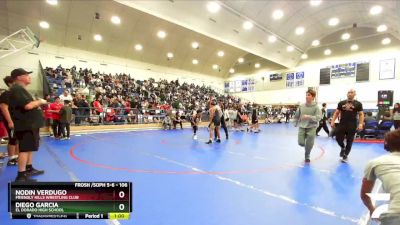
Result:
[28,118]
[12,147]
[348,110]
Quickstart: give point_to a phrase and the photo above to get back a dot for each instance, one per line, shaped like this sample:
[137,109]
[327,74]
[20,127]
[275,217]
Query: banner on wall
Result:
[275,76]
[387,69]
[290,80]
[299,79]
[343,70]
[295,79]
[236,86]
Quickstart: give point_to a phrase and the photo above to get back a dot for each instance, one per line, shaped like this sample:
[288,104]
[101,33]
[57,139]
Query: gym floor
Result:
[249,179]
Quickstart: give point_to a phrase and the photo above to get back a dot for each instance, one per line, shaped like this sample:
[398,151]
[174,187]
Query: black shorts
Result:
[254,120]
[217,122]
[28,140]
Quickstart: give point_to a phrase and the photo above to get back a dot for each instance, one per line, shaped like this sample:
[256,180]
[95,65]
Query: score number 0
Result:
[121,195]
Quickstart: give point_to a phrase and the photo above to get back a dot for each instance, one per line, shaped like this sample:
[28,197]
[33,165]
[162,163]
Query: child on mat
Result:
[307,118]
[195,120]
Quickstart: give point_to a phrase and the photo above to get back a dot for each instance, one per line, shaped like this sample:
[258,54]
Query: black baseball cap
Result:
[19,72]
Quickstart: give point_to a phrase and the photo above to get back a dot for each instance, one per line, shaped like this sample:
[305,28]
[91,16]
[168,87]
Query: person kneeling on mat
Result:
[307,118]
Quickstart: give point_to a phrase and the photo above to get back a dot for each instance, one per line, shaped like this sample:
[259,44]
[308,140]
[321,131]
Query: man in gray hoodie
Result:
[307,119]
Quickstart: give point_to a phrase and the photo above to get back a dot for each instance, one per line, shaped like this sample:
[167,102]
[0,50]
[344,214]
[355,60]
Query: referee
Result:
[28,118]
[348,110]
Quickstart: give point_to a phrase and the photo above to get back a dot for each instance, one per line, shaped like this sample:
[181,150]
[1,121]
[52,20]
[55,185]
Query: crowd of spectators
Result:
[119,98]
[100,97]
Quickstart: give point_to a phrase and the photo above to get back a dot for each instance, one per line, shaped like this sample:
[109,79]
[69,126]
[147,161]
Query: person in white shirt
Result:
[65,96]
[387,169]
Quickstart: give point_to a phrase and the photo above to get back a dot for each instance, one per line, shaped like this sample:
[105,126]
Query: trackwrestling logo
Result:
[382,208]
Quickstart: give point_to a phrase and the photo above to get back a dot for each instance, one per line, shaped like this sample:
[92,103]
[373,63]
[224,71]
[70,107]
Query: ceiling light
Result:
[138,47]
[220,53]
[299,30]
[195,45]
[170,55]
[44,25]
[381,28]
[277,14]
[375,10]
[257,65]
[386,41]
[52,2]
[215,66]
[272,39]
[304,56]
[115,20]
[315,2]
[289,48]
[161,34]
[98,37]
[333,21]
[213,7]
[315,43]
[240,60]
[231,70]
[354,47]
[195,61]
[345,36]
[327,52]
[247,25]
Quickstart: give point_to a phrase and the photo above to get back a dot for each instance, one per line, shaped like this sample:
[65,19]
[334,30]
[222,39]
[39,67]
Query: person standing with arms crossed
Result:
[28,119]
[307,117]
[348,110]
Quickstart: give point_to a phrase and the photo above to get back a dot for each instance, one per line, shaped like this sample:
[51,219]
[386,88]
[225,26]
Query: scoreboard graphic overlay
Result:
[70,200]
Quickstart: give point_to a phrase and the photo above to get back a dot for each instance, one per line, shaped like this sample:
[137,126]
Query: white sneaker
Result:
[194,137]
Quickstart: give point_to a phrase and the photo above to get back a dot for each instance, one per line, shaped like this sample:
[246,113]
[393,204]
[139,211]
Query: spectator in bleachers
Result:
[65,96]
[396,115]
[386,117]
[369,117]
[98,107]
